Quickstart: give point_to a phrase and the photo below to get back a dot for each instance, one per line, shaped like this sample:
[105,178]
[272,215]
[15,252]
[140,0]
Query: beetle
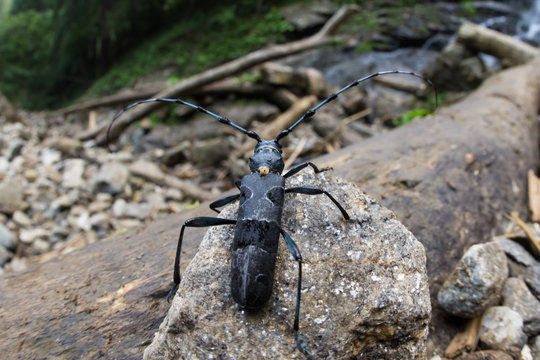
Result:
[260,206]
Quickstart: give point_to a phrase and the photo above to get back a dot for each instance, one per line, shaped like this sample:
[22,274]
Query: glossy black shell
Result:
[256,238]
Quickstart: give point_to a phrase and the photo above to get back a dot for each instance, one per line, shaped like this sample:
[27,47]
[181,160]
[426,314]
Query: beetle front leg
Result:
[194,222]
[308,190]
[301,166]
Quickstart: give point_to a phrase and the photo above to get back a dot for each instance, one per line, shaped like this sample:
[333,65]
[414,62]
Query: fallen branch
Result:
[111,100]
[502,46]
[233,67]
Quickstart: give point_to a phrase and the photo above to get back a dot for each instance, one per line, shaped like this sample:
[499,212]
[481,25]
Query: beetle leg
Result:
[295,252]
[308,190]
[223,201]
[194,222]
[301,166]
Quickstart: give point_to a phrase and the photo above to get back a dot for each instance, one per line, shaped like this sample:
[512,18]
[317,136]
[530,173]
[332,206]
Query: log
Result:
[453,177]
[511,51]
[233,67]
[449,179]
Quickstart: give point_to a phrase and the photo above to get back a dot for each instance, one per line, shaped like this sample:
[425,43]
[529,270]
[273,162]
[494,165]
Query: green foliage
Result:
[409,116]
[52,50]
[206,40]
[25,42]
[469,9]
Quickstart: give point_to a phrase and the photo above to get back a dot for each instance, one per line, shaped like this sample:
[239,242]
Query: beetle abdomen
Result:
[253,262]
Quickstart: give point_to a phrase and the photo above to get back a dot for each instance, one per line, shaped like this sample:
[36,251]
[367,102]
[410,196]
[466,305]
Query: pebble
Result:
[28,236]
[517,297]
[111,178]
[476,282]
[73,173]
[7,239]
[501,328]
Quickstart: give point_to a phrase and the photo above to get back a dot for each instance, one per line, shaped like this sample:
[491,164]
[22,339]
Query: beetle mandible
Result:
[261,199]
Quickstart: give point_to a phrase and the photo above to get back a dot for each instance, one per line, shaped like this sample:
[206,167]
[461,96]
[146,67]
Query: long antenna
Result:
[221,119]
[310,112]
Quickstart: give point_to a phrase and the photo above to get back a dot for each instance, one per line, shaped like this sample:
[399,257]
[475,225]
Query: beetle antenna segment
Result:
[310,112]
[221,119]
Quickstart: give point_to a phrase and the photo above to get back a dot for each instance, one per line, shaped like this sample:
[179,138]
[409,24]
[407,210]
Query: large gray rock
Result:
[476,282]
[364,288]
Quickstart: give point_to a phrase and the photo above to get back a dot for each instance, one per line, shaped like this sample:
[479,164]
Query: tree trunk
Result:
[450,179]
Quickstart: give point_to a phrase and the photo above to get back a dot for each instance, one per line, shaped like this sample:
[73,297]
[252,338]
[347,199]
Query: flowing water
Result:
[528,26]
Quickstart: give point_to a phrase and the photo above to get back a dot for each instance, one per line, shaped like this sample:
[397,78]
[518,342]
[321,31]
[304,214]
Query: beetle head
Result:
[267,157]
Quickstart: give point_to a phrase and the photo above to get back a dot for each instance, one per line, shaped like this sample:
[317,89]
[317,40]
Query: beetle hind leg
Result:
[295,252]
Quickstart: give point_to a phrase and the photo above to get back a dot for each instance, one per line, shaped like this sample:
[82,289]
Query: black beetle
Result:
[261,199]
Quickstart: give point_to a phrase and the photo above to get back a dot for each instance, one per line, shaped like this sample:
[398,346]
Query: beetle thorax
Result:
[267,158]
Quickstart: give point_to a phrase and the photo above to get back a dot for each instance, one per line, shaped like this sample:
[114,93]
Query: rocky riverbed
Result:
[58,194]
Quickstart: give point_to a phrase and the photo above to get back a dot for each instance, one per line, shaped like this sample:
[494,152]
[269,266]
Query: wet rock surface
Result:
[364,288]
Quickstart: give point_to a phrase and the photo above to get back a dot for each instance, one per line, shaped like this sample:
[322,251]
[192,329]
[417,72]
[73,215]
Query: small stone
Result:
[40,246]
[111,178]
[535,347]
[173,194]
[59,204]
[7,239]
[11,195]
[476,282]
[124,224]
[486,355]
[526,353]
[516,252]
[66,145]
[28,236]
[157,200]
[73,173]
[83,222]
[18,264]
[529,274]
[517,297]
[148,170]
[138,210]
[31,175]
[102,203]
[21,219]
[5,255]
[99,221]
[50,156]
[15,149]
[501,328]
[52,173]
[119,207]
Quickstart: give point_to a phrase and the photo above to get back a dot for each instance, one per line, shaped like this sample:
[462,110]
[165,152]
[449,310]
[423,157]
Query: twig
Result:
[464,341]
[296,152]
[535,244]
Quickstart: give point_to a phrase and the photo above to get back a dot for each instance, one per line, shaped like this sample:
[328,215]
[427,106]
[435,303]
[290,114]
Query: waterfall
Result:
[528,27]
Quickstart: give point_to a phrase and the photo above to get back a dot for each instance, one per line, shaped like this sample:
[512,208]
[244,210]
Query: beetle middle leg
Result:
[193,222]
[295,252]
[308,190]
[223,201]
